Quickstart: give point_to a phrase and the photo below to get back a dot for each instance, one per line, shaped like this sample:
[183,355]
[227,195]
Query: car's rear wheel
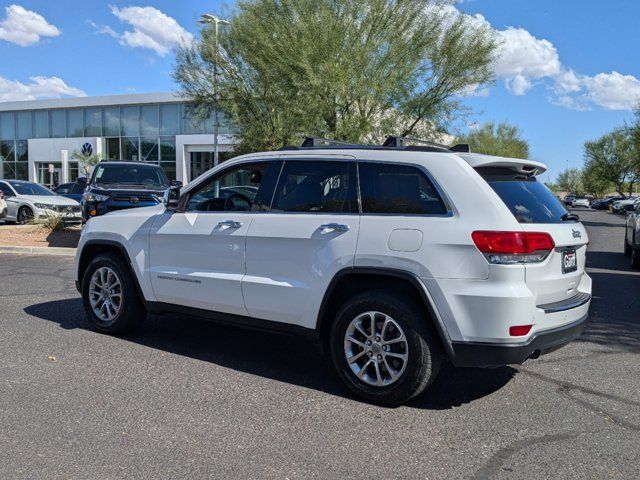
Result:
[635,254]
[25,215]
[109,295]
[627,247]
[383,347]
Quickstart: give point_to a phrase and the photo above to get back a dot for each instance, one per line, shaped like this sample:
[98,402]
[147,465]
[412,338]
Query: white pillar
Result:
[64,158]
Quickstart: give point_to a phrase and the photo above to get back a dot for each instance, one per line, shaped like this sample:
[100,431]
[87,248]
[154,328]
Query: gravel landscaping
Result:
[38,236]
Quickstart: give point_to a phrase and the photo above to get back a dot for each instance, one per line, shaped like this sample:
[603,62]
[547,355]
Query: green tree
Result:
[337,68]
[611,158]
[593,182]
[87,162]
[502,139]
[570,181]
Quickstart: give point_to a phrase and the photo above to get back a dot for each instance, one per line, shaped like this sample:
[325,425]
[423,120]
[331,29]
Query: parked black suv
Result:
[120,185]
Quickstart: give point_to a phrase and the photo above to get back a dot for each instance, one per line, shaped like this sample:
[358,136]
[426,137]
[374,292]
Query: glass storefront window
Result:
[130,121]
[169,119]
[75,123]
[111,121]
[130,150]
[41,123]
[74,171]
[25,125]
[149,120]
[112,148]
[58,123]
[7,126]
[149,149]
[190,123]
[22,171]
[170,169]
[22,152]
[7,151]
[167,148]
[92,122]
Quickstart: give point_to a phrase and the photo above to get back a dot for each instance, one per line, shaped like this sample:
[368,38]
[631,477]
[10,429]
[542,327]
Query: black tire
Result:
[25,215]
[424,348]
[635,254]
[627,247]
[132,311]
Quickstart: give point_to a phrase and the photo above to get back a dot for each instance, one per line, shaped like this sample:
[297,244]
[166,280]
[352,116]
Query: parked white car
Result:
[394,258]
[619,206]
[580,202]
[28,201]
[3,206]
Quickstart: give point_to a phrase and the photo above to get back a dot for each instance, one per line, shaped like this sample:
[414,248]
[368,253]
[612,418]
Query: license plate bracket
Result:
[569,260]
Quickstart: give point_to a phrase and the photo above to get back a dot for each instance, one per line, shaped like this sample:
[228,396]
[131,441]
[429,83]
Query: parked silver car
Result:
[31,201]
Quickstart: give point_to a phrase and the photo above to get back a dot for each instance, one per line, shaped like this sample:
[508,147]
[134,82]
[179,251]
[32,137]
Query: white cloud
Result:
[613,91]
[152,29]
[522,54]
[522,61]
[24,27]
[39,87]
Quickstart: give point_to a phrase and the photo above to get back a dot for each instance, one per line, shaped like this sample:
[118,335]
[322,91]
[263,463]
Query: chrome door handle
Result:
[230,224]
[336,227]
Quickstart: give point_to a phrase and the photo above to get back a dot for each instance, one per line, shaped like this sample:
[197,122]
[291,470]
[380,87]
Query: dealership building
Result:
[38,138]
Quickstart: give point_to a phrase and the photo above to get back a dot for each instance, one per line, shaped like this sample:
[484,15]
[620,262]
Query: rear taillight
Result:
[513,247]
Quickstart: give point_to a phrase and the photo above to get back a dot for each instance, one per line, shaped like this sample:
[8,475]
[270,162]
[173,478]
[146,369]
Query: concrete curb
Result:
[59,251]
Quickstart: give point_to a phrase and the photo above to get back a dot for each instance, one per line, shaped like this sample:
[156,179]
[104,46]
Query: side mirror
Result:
[171,198]
[175,183]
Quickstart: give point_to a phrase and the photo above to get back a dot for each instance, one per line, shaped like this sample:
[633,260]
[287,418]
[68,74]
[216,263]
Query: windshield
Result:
[529,200]
[138,175]
[23,188]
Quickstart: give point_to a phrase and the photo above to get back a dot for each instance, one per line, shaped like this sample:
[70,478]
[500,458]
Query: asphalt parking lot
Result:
[183,398]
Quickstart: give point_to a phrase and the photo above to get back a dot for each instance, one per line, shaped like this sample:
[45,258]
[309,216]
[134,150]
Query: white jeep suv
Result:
[395,258]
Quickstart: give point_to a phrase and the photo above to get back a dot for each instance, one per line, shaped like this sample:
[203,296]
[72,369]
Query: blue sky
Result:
[567,71]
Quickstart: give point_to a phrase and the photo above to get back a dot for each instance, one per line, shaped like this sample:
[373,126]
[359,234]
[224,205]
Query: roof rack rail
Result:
[398,142]
[319,142]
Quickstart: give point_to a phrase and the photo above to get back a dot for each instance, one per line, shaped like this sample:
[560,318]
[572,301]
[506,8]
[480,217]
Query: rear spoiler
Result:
[525,166]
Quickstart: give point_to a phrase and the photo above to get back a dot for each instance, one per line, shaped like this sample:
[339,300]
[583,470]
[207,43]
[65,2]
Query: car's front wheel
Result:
[384,348]
[25,215]
[109,295]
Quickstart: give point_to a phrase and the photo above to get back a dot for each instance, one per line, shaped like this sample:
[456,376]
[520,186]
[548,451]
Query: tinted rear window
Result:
[529,200]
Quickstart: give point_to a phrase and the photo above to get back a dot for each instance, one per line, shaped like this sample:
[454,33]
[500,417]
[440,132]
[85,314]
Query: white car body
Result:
[275,267]
[3,208]
[580,202]
[40,206]
[617,205]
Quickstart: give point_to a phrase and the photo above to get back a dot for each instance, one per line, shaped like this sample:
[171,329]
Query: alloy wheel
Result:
[105,294]
[376,348]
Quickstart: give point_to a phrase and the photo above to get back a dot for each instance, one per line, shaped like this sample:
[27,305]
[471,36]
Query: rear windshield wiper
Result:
[570,217]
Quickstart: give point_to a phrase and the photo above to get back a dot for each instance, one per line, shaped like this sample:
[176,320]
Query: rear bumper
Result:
[478,354]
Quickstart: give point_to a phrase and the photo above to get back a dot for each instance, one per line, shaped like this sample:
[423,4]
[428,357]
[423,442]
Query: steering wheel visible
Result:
[237,202]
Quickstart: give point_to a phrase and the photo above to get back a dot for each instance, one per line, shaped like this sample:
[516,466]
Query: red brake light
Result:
[512,243]
[519,330]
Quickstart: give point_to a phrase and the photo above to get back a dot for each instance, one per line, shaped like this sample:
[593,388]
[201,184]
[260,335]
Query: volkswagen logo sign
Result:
[87,149]
[134,200]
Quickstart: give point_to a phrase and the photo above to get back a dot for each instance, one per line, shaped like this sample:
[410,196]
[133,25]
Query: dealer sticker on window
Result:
[569,260]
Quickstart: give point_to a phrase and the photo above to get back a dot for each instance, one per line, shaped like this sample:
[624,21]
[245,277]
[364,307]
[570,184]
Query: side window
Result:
[238,189]
[78,188]
[63,189]
[319,187]
[6,190]
[389,188]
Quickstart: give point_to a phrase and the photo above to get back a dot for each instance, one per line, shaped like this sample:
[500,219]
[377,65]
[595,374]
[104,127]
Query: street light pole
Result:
[212,19]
